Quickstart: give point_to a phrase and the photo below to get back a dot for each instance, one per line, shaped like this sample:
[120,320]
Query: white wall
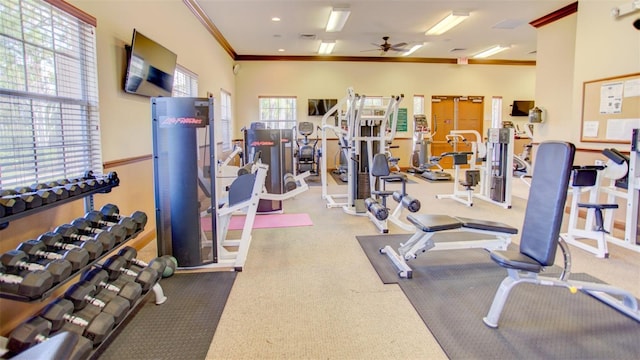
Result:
[125,118]
[330,80]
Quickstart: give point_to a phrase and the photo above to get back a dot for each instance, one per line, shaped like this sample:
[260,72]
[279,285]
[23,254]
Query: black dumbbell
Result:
[56,241]
[35,331]
[82,187]
[16,259]
[31,200]
[31,284]
[73,189]
[97,220]
[129,254]
[82,294]
[111,178]
[111,212]
[71,233]
[78,258]
[129,290]
[47,196]
[116,265]
[60,192]
[12,205]
[60,312]
[84,227]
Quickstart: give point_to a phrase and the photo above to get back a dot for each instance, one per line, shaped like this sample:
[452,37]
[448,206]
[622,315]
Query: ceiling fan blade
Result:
[399,45]
[397,49]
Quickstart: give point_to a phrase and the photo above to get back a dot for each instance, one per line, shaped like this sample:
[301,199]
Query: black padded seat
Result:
[432,223]
[486,225]
[516,260]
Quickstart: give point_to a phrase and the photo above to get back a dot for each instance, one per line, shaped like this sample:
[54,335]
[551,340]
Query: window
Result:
[225,119]
[278,112]
[418,104]
[185,83]
[49,124]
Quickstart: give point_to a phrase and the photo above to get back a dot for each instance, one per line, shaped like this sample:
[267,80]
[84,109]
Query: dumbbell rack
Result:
[88,204]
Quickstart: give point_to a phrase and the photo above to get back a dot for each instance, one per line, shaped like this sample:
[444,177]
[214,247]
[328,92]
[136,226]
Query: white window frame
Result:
[418,105]
[185,83]
[226,120]
[49,118]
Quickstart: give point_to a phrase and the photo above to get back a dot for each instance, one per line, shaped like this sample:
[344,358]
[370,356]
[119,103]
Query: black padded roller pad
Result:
[431,223]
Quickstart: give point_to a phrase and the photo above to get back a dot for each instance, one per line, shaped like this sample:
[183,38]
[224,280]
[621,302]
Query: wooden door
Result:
[455,113]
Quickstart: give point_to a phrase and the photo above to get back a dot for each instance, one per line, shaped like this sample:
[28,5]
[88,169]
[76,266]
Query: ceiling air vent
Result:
[308,36]
[457,49]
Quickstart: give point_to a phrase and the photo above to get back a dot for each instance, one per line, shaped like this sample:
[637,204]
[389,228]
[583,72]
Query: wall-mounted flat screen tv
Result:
[319,107]
[521,107]
[150,67]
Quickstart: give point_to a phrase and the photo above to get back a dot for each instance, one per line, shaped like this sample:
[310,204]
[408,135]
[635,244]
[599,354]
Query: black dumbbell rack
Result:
[87,196]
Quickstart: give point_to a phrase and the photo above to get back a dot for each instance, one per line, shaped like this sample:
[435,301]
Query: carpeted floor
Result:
[453,290]
[182,327]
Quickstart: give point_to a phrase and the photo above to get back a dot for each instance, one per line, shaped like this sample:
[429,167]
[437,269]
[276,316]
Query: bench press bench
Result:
[428,225]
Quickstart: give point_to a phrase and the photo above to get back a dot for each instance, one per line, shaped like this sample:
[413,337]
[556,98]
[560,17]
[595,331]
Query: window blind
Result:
[49,120]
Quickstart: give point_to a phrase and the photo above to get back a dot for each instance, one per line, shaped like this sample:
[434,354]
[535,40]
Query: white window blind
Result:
[225,119]
[418,104]
[185,83]
[278,112]
[49,123]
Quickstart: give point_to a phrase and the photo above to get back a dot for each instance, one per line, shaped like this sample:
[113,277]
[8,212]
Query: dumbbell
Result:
[71,233]
[116,265]
[84,228]
[60,192]
[31,284]
[111,212]
[31,200]
[78,258]
[16,259]
[129,254]
[56,241]
[129,290]
[46,195]
[82,294]
[408,202]
[378,210]
[60,312]
[97,220]
[72,189]
[35,331]
[74,182]
[111,178]
[12,205]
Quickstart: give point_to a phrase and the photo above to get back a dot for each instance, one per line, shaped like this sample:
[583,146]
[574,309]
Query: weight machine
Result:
[369,130]
[492,176]
[623,175]
[421,161]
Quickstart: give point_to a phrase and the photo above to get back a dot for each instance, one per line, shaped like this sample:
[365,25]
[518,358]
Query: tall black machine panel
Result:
[175,155]
[275,149]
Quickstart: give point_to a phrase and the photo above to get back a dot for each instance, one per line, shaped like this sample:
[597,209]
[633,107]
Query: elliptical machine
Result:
[307,154]
[421,161]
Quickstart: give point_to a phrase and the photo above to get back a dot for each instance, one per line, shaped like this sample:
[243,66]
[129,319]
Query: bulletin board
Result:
[610,109]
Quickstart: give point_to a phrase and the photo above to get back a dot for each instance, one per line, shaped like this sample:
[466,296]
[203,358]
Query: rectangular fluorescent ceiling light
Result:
[337,19]
[448,23]
[491,51]
[326,47]
[412,50]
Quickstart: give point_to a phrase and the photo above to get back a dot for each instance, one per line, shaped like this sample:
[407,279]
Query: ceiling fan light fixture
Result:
[337,19]
[448,23]
[326,47]
[413,49]
[491,51]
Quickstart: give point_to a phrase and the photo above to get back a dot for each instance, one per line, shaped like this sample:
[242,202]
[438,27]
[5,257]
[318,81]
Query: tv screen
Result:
[521,107]
[150,67]
[319,107]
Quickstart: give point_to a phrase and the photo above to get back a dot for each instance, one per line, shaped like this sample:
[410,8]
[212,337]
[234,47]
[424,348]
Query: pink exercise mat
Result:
[266,221]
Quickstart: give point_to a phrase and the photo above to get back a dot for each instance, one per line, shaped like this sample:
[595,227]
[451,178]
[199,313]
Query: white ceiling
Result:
[247,26]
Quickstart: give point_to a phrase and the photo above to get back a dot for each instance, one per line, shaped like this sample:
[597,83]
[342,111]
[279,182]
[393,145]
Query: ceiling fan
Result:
[386,46]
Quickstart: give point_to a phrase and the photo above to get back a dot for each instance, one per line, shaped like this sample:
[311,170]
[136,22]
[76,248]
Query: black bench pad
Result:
[431,223]
[486,225]
[516,260]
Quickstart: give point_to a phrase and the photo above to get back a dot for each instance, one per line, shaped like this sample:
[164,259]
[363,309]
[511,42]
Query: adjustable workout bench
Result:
[428,225]
[540,238]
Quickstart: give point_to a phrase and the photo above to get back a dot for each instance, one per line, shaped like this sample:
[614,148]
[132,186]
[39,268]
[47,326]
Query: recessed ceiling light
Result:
[281,50]
[275,18]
